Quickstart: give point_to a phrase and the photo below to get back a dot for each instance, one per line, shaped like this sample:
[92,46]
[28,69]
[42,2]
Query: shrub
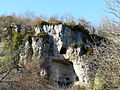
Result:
[28,36]
[85,31]
[7,21]
[57,22]
[41,23]
[42,34]
[16,39]
[71,23]
[98,83]
[96,39]
[76,45]
[81,44]
[79,28]
[9,55]
[89,51]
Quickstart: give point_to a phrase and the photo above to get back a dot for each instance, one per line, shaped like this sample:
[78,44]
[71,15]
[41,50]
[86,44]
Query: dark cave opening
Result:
[63,50]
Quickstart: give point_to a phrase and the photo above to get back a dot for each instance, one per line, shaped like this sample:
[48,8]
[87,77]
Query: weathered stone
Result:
[58,60]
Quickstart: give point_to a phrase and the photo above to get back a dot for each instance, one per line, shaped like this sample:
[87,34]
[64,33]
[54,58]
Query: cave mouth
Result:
[63,50]
[66,76]
[76,79]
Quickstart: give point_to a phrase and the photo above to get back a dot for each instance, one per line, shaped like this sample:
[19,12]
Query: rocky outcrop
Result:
[60,61]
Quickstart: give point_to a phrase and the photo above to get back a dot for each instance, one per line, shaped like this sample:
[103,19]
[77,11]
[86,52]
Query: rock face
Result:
[60,62]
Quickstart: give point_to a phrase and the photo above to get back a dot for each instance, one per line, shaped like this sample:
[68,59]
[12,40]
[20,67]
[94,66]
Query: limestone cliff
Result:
[61,53]
[63,62]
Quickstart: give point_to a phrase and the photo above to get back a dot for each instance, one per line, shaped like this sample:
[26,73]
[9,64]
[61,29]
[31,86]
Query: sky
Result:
[91,10]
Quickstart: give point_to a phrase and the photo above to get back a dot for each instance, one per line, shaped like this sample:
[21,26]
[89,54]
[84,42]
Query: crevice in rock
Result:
[63,50]
[77,79]
[30,40]
[30,50]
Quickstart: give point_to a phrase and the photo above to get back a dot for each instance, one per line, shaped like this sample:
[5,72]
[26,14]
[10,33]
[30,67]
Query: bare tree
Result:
[110,30]
[53,18]
[107,76]
[114,7]
[29,14]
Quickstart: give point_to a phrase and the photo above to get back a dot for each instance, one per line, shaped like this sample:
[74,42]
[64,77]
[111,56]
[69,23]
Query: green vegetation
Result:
[96,39]
[57,22]
[7,21]
[70,23]
[42,34]
[28,36]
[41,23]
[93,46]
[76,45]
[98,83]
[80,28]
[11,43]
[17,39]
[9,51]
[89,51]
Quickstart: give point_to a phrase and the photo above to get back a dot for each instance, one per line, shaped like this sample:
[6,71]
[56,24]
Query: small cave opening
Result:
[67,79]
[83,51]
[63,50]
[64,82]
[29,39]
[0,40]
[77,79]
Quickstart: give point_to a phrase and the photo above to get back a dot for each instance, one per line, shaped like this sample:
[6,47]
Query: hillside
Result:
[52,55]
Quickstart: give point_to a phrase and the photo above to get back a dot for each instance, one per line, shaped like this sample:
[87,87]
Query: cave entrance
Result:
[63,50]
[63,73]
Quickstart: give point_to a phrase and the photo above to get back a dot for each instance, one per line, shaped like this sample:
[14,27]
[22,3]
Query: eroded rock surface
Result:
[58,60]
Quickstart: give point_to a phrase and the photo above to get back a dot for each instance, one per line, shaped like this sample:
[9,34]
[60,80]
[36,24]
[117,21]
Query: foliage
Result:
[79,28]
[17,39]
[71,23]
[8,55]
[10,49]
[42,34]
[57,22]
[7,21]
[96,39]
[104,49]
[41,23]
[89,51]
[28,36]
[76,45]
